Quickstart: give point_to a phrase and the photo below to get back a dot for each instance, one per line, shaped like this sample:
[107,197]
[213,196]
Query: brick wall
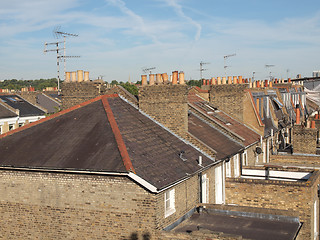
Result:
[167,104]
[304,140]
[293,196]
[73,93]
[313,161]
[57,206]
[74,206]
[229,98]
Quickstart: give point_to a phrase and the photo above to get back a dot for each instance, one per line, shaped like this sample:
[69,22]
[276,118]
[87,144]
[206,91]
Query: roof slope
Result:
[224,120]
[25,108]
[80,139]
[222,144]
[6,113]
[154,151]
[47,103]
[105,134]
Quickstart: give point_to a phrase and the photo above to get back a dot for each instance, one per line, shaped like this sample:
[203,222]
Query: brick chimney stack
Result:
[167,103]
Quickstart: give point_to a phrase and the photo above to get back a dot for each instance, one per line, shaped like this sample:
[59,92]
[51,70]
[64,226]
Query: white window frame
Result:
[245,158]
[169,202]
[205,188]
[236,165]
[228,169]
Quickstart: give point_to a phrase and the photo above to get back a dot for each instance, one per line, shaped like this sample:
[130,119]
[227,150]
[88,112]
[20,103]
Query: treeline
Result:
[38,84]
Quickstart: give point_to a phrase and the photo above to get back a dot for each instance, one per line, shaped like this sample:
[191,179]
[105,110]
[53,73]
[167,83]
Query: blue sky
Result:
[118,38]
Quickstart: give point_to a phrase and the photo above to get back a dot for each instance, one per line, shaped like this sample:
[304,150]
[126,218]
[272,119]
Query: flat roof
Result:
[247,227]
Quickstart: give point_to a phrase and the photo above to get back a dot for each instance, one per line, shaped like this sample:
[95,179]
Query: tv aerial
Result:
[202,69]
[145,70]
[225,57]
[58,49]
[267,66]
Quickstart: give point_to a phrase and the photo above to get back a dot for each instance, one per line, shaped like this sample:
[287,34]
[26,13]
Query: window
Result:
[228,169]
[244,158]
[169,203]
[236,165]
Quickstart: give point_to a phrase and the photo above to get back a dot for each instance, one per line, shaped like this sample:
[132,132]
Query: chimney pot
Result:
[181,77]
[204,82]
[158,78]
[80,75]
[235,80]
[224,80]
[213,81]
[229,80]
[270,84]
[308,124]
[258,84]
[219,80]
[313,124]
[151,79]
[240,79]
[86,76]
[68,77]
[74,76]
[174,77]
[298,116]
[143,80]
[164,77]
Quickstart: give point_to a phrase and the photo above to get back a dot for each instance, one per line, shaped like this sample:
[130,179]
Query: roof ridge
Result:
[117,134]
[55,115]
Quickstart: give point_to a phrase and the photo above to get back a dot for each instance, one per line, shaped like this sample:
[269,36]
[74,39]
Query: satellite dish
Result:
[258,150]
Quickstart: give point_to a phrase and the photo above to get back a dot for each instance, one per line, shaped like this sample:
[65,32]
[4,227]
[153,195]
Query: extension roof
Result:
[25,108]
[105,134]
[223,145]
[222,119]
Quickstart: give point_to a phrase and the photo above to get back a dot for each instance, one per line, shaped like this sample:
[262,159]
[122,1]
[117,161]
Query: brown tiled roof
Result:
[222,144]
[104,134]
[248,135]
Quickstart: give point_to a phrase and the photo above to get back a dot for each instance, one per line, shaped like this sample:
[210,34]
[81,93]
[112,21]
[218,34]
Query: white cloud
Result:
[178,9]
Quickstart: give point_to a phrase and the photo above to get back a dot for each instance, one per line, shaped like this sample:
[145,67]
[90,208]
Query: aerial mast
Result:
[202,69]
[58,50]
[225,59]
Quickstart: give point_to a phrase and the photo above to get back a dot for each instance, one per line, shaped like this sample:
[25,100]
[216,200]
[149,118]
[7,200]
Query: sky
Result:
[117,39]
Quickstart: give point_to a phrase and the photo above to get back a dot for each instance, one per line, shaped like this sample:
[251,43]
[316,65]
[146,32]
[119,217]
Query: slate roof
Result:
[26,109]
[6,113]
[46,102]
[221,143]
[224,120]
[104,134]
